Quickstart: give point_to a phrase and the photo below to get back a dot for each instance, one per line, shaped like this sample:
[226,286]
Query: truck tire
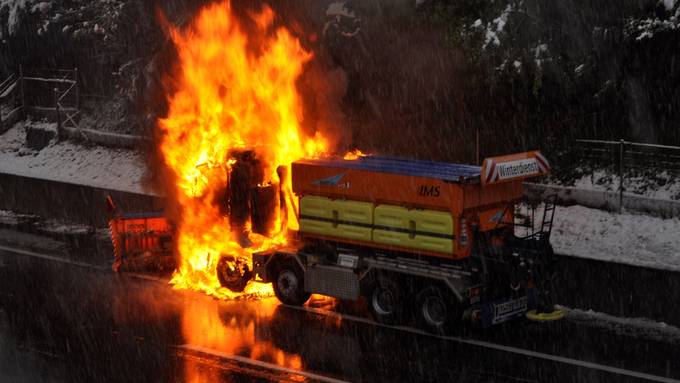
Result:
[289,284]
[232,274]
[385,300]
[437,310]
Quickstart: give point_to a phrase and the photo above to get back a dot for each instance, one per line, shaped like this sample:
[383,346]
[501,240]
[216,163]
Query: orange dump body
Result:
[454,188]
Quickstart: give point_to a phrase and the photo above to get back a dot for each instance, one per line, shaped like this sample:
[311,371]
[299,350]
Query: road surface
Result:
[75,321]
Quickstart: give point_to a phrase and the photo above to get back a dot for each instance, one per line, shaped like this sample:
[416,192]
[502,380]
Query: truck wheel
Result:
[289,284]
[385,301]
[233,274]
[437,310]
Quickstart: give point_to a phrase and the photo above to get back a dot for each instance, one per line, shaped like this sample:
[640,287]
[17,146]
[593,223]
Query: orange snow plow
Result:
[141,241]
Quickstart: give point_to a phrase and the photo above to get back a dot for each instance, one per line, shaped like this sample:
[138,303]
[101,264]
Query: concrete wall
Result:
[69,202]
[617,289]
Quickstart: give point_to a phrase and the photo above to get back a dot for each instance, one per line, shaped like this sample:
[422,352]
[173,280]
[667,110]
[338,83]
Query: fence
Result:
[10,102]
[624,155]
[52,93]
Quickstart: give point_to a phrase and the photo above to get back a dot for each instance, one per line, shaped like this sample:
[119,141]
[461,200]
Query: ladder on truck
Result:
[532,232]
[548,217]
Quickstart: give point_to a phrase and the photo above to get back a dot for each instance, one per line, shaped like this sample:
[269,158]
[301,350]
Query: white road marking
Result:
[500,347]
[259,363]
[53,258]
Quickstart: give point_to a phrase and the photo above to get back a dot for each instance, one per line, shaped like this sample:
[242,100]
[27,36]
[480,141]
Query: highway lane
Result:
[67,321]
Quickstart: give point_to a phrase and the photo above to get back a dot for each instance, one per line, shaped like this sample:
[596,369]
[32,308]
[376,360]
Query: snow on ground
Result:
[11,218]
[95,166]
[635,327]
[624,238]
[54,226]
[663,185]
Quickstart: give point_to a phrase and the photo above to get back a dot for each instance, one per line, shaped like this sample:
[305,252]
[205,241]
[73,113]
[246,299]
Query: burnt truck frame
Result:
[488,275]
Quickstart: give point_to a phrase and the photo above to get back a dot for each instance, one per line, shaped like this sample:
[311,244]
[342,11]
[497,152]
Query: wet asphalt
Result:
[62,322]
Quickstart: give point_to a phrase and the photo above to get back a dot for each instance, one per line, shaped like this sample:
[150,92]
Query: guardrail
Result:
[10,103]
[622,155]
[29,92]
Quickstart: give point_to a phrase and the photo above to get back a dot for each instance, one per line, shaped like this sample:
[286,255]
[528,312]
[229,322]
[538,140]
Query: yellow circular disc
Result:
[545,317]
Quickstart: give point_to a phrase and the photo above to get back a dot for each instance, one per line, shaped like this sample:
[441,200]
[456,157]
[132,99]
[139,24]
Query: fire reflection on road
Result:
[234,329]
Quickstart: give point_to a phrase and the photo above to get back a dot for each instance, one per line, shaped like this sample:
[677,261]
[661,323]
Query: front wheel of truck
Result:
[289,284]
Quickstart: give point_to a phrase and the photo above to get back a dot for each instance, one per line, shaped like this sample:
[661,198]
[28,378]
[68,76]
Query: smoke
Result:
[400,82]
[380,80]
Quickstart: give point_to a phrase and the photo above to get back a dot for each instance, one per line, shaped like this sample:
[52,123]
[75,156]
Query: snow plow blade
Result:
[141,241]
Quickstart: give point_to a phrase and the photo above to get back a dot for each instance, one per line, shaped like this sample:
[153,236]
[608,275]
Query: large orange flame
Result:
[234,91]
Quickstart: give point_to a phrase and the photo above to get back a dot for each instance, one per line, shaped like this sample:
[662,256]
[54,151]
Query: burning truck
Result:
[258,205]
[428,240]
[433,241]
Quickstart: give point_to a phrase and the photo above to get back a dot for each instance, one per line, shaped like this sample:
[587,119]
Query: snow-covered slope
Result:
[95,166]
[625,238]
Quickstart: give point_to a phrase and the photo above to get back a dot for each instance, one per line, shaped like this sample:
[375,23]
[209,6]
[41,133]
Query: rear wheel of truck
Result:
[436,310]
[289,284]
[385,301]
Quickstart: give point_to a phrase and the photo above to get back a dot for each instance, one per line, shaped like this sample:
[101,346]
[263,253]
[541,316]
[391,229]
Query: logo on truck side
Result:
[428,191]
[508,309]
[332,181]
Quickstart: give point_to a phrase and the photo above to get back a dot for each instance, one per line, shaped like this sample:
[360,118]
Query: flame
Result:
[233,91]
[354,155]
[233,330]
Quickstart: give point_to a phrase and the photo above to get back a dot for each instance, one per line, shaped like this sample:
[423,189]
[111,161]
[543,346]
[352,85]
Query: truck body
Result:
[432,239]
[417,240]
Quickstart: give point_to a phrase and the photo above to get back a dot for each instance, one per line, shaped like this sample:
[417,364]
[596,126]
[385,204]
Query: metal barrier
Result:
[30,93]
[10,103]
[55,94]
[623,155]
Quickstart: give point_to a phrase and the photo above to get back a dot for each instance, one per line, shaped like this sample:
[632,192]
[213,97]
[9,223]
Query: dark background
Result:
[415,79]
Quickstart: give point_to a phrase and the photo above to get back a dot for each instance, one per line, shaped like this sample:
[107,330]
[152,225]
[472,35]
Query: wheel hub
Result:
[383,301]
[434,311]
[287,283]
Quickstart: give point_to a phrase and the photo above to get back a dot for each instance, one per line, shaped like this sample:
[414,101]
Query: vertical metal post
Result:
[60,134]
[21,86]
[75,78]
[621,147]
[477,144]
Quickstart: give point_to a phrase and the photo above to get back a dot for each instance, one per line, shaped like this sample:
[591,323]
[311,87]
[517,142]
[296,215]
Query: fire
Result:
[354,155]
[234,91]
[233,330]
